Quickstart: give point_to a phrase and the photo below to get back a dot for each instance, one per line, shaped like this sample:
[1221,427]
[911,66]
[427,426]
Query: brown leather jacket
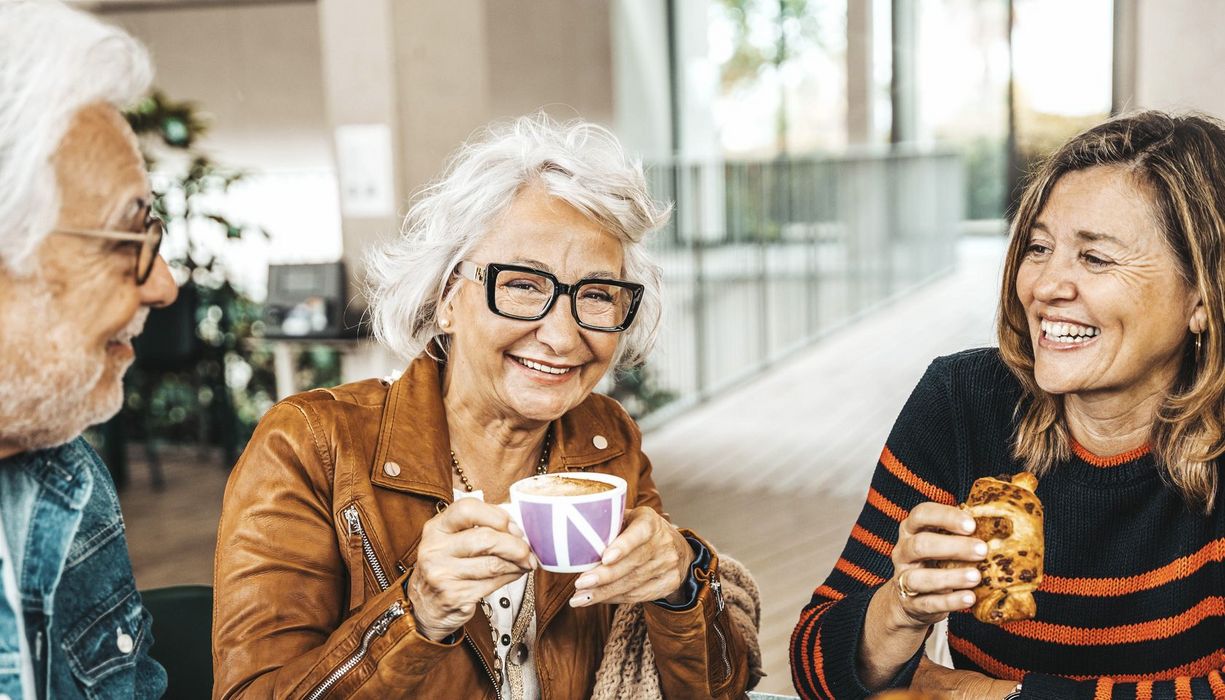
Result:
[320,526]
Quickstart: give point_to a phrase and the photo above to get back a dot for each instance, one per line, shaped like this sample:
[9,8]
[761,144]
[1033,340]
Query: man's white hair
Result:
[577,162]
[54,60]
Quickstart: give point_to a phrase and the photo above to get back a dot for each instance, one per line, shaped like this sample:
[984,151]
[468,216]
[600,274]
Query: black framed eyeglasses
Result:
[528,294]
[150,242]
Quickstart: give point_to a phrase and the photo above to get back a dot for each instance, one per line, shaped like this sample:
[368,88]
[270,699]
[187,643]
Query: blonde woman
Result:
[1109,385]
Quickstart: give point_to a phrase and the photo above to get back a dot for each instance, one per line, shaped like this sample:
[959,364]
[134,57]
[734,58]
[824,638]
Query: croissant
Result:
[1008,517]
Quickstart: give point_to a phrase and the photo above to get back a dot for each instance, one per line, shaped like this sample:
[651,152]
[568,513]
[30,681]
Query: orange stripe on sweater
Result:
[1113,460]
[980,658]
[858,573]
[886,506]
[1110,587]
[814,612]
[1105,688]
[828,592]
[871,541]
[819,668]
[1182,688]
[1217,684]
[1199,667]
[1162,628]
[914,481]
[1144,690]
[999,669]
[816,662]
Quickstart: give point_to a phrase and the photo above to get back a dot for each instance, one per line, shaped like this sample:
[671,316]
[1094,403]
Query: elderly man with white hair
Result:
[79,271]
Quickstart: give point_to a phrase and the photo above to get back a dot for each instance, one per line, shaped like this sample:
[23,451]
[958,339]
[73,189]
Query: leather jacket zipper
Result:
[497,689]
[355,528]
[379,627]
[717,587]
[380,575]
[376,629]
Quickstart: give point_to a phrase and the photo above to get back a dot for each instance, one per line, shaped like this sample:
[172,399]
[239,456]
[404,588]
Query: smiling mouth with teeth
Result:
[541,367]
[1068,333]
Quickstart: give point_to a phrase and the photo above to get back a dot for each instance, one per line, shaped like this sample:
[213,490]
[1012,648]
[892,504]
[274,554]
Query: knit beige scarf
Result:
[628,671]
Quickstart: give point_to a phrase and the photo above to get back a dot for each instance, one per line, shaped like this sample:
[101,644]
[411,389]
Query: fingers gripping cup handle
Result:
[513,511]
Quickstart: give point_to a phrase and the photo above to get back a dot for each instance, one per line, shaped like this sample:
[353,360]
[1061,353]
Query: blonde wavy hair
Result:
[1181,160]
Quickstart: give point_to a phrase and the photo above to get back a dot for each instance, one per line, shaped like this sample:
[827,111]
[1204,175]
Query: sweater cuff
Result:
[841,629]
[1039,686]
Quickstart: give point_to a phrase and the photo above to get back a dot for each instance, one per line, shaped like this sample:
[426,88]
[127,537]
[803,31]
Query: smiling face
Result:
[1108,312]
[68,326]
[529,372]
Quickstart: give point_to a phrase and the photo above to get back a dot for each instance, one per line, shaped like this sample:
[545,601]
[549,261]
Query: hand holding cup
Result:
[649,560]
[467,552]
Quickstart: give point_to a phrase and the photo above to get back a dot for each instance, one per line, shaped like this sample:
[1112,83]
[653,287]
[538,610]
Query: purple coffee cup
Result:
[568,534]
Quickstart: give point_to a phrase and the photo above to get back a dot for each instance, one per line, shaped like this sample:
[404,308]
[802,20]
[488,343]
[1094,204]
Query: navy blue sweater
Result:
[1131,605]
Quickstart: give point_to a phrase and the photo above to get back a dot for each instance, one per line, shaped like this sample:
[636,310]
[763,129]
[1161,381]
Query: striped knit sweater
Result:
[1133,600]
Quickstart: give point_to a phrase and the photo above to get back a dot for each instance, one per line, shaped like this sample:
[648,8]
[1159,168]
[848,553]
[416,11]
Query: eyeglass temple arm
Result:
[471,270]
[109,235]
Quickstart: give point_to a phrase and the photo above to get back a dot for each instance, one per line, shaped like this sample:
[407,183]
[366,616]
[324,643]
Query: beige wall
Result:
[441,65]
[1179,55]
[463,63]
[458,64]
[256,69]
[550,53]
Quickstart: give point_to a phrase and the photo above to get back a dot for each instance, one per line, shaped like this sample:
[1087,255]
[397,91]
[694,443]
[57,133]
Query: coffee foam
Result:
[555,485]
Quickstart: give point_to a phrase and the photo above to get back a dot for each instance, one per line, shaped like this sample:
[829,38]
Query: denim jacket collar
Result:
[48,518]
[61,471]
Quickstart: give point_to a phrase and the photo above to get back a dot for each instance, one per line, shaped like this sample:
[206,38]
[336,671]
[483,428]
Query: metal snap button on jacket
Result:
[391,469]
[600,442]
[124,642]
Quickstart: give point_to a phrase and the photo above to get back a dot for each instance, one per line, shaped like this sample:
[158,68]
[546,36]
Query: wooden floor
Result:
[773,472]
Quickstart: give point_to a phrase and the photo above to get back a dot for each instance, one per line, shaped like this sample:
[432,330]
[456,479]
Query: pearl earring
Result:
[444,323]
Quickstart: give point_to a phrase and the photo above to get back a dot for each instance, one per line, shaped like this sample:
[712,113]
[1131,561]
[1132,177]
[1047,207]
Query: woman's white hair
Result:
[579,163]
[53,61]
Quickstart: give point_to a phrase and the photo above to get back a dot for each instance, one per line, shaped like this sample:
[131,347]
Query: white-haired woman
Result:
[360,552]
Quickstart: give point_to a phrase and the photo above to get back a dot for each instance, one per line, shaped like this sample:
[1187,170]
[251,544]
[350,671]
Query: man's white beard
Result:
[49,378]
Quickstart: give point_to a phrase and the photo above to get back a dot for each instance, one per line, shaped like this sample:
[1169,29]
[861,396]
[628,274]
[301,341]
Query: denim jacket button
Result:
[124,642]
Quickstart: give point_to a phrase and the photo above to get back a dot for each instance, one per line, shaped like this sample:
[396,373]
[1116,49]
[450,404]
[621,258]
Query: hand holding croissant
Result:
[1008,517]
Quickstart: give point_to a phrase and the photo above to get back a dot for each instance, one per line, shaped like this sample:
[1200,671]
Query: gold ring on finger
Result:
[904,591]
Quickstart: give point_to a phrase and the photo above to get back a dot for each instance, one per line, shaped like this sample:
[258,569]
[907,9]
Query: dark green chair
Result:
[183,638]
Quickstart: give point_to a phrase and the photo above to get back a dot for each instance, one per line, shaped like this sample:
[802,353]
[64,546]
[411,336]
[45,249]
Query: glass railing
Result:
[764,257]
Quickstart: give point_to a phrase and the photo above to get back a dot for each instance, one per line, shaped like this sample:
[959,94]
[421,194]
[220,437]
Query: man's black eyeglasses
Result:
[150,241]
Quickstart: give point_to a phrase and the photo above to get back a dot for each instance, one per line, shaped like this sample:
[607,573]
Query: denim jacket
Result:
[86,630]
